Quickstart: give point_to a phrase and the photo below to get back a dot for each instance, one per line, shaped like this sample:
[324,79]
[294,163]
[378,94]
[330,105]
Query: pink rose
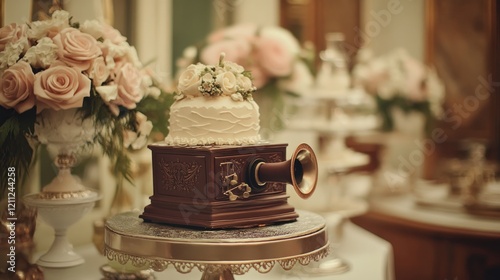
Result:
[273,56]
[61,87]
[128,81]
[11,33]
[16,87]
[99,72]
[236,51]
[76,49]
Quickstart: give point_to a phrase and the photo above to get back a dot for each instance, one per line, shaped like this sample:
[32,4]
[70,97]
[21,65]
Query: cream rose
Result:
[244,82]
[227,82]
[189,81]
[93,27]
[99,72]
[60,87]
[128,81]
[76,49]
[16,87]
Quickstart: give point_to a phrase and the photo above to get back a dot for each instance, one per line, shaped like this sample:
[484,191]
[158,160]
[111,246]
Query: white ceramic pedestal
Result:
[60,213]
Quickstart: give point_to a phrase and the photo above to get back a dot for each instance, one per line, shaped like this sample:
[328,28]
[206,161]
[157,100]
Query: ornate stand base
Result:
[219,254]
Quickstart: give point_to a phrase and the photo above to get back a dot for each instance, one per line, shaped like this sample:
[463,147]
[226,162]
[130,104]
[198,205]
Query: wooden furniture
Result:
[310,21]
[462,44]
[433,244]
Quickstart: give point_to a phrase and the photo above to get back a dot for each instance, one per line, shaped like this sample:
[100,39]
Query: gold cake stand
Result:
[219,254]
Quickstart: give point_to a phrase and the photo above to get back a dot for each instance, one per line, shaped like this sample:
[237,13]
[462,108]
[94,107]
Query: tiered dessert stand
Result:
[333,125]
[219,254]
[333,111]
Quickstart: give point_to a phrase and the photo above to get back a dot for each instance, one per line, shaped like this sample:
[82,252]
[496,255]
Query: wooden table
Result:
[435,244]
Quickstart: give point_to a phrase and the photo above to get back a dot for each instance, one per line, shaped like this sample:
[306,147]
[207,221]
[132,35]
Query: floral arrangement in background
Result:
[57,65]
[278,64]
[397,80]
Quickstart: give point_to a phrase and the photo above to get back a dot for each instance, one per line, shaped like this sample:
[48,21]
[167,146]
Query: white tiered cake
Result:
[214,106]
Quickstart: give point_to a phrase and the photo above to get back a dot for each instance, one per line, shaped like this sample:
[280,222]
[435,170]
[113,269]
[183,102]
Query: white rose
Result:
[108,93]
[132,56]
[43,54]
[60,17]
[189,81]
[113,50]
[10,55]
[93,27]
[139,139]
[227,82]
[43,28]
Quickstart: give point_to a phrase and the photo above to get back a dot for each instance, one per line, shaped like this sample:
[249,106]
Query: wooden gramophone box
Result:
[227,186]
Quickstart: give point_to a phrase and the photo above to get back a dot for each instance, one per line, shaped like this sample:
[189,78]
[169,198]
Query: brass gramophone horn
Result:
[301,171]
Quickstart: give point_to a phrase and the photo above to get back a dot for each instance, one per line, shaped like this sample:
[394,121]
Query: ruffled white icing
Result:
[213,121]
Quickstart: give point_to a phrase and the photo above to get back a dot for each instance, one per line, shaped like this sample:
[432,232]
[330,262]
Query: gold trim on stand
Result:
[240,268]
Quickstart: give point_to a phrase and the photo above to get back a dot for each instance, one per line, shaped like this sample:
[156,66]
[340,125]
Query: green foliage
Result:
[407,106]
[15,150]
[157,110]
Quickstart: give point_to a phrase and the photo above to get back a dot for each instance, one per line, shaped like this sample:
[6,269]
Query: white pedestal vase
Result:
[60,214]
[64,200]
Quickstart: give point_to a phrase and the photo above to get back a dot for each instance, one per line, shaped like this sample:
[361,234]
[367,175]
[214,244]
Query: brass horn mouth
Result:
[301,171]
[304,162]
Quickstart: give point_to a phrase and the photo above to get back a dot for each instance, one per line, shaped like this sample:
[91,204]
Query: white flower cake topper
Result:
[225,78]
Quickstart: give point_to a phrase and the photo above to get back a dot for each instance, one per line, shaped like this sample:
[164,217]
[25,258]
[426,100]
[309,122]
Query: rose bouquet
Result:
[278,64]
[397,80]
[54,66]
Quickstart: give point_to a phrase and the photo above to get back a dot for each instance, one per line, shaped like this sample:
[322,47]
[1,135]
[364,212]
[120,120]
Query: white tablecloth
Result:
[369,256]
